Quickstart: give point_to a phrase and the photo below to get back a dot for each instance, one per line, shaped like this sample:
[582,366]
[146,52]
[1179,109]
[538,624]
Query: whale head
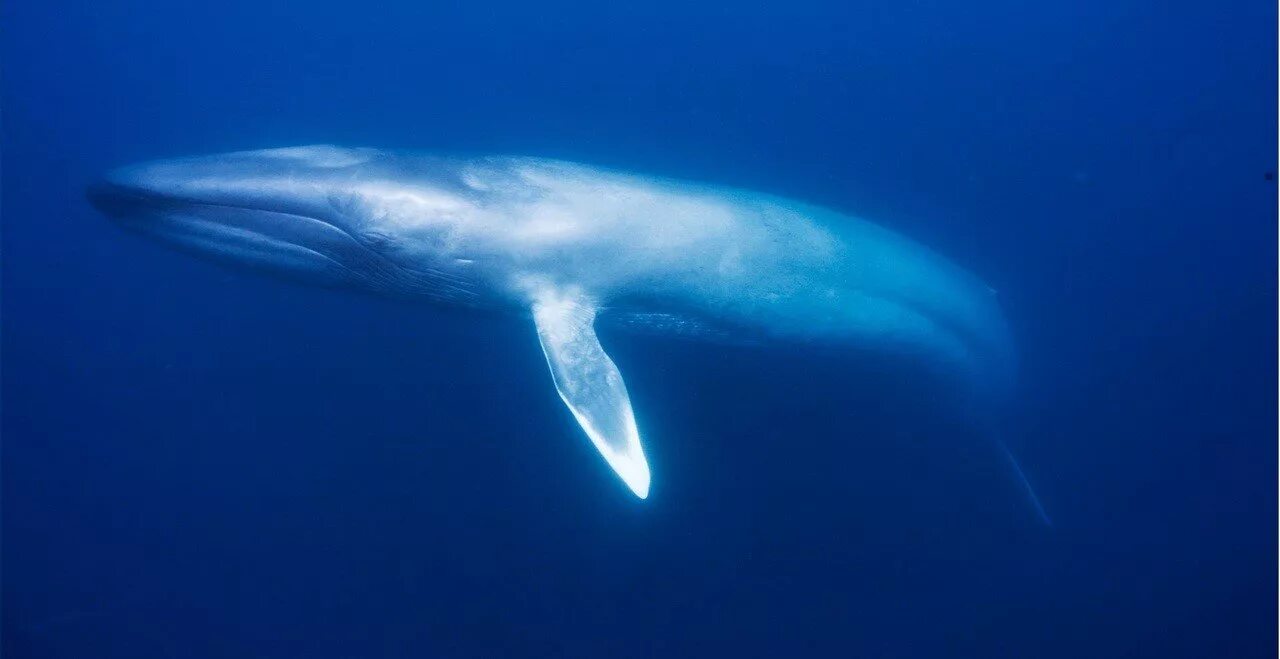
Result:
[319,214]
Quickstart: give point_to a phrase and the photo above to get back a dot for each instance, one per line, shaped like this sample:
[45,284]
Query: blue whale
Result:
[570,246]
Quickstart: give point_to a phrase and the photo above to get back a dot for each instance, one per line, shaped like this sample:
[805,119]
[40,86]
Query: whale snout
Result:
[294,180]
[123,198]
[108,199]
[270,183]
[135,192]
[248,209]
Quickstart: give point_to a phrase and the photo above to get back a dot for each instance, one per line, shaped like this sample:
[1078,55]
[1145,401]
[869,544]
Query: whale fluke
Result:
[589,382]
[1026,484]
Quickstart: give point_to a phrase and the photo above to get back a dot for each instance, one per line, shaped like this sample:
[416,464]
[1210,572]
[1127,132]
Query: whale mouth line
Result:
[125,201]
[131,205]
[294,234]
[238,229]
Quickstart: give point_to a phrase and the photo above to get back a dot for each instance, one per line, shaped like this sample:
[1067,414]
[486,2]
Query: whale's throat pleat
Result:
[589,382]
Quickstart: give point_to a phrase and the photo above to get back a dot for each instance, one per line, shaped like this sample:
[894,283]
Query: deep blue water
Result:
[200,462]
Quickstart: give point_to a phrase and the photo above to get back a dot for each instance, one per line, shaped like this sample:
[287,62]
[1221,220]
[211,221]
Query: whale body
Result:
[570,246]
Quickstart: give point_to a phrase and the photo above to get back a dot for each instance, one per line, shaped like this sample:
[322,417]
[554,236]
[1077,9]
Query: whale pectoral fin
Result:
[590,384]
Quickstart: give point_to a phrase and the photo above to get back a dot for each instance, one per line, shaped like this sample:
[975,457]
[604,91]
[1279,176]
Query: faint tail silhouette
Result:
[1026,484]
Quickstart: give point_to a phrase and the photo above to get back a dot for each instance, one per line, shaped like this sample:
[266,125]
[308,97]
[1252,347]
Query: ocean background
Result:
[203,462]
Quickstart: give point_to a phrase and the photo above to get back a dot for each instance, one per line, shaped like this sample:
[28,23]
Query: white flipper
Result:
[589,382]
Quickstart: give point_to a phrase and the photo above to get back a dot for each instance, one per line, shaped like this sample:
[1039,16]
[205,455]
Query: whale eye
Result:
[345,204]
